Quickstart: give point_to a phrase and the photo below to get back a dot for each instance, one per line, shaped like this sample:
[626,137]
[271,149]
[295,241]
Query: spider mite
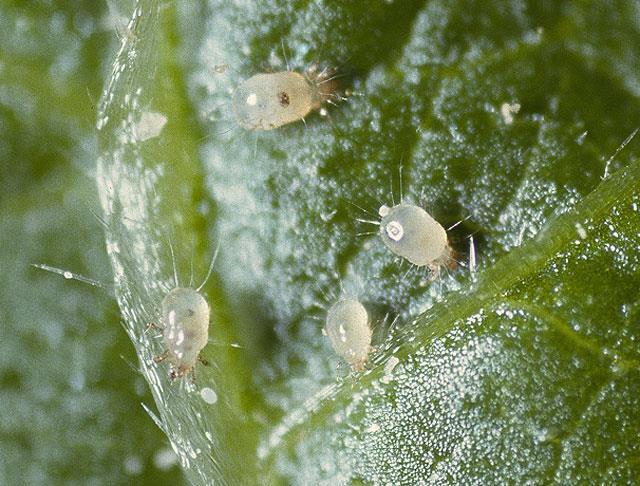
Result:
[185,325]
[347,322]
[270,100]
[412,233]
[348,328]
[275,97]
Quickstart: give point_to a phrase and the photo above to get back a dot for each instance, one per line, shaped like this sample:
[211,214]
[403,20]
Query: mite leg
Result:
[161,357]
[153,325]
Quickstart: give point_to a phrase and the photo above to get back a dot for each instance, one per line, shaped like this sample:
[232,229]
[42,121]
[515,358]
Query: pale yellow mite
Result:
[185,331]
[268,101]
[410,232]
[185,325]
[348,329]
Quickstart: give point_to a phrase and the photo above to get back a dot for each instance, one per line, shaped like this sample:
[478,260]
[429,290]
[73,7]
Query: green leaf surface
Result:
[504,117]
[70,402]
[532,375]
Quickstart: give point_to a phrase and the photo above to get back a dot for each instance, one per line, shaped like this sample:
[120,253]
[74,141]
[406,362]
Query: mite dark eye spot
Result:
[283,98]
[190,312]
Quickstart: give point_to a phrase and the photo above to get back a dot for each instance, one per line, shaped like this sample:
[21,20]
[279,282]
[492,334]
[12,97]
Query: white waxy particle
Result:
[209,395]
[507,110]
[185,315]
[348,329]
[410,232]
[150,125]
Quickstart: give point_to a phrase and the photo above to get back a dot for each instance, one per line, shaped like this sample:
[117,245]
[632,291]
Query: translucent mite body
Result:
[268,101]
[185,325]
[185,332]
[410,232]
[347,326]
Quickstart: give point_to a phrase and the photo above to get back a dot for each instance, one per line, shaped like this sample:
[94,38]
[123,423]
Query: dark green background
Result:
[432,77]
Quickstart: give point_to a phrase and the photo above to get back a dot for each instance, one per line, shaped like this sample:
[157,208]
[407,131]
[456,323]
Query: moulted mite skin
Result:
[410,232]
[347,327]
[271,100]
[185,332]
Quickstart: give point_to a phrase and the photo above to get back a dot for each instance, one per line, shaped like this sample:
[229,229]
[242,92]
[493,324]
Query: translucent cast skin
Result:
[348,329]
[185,315]
[268,101]
[410,232]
